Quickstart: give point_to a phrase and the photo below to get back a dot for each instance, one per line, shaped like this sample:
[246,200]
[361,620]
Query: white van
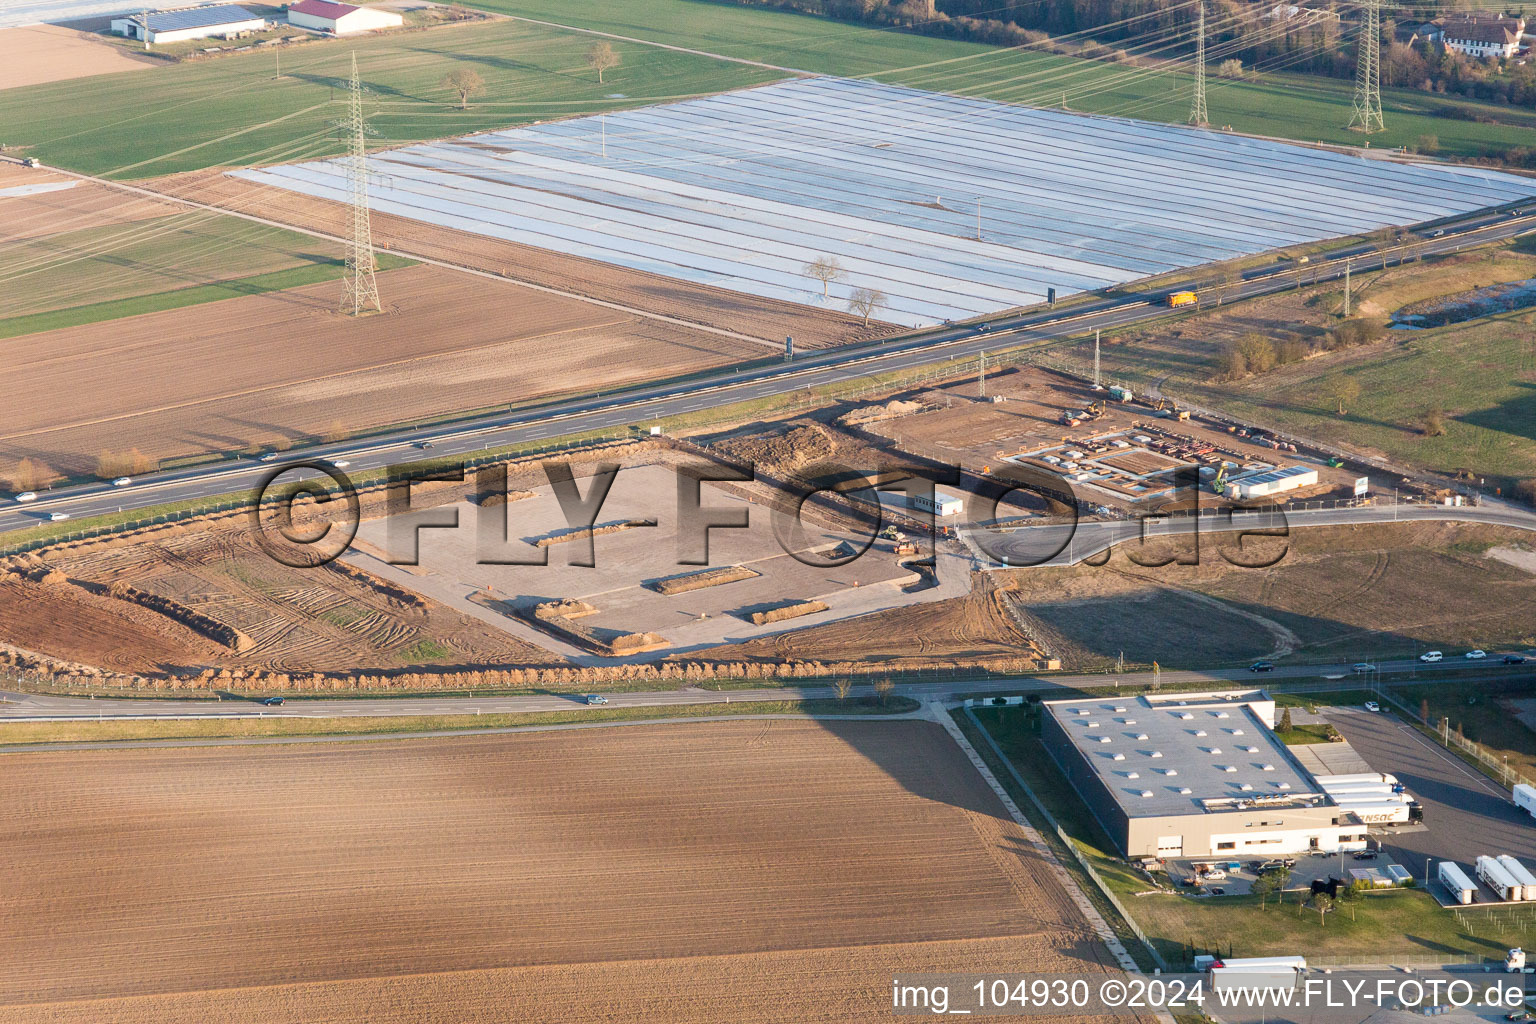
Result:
[1431,656]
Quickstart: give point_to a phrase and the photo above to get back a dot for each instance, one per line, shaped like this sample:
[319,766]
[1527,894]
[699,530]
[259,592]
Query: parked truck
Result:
[1120,394]
[1525,798]
[1461,888]
[1493,875]
[1521,874]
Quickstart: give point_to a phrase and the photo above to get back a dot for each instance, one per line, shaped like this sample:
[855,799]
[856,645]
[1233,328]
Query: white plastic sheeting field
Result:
[742,190]
[14,13]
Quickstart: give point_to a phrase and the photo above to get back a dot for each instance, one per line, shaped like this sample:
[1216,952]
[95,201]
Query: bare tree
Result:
[864,301]
[825,269]
[842,685]
[465,82]
[33,475]
[883,688]
[602,57]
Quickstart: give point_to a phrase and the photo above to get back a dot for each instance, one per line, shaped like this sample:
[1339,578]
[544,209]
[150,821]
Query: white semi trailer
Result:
[1499,880]
[1456,881]
[1520,873]
[1525,798]
[1329,780]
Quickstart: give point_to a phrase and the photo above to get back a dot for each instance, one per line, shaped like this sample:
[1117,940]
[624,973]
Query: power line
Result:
[1197,115]
[1367,112]
[361,290]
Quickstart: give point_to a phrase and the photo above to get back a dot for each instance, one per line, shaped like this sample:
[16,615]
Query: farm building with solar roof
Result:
[225,21]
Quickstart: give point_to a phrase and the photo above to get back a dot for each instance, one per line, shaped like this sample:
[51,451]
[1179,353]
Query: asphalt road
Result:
[42,707]
[641,405]
[1067,543]
[1466,814]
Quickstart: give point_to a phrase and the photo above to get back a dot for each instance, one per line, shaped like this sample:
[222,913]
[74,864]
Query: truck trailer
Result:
[1499,880]
[1520,873]
[1525,798]
[1330,780]
[1456,881]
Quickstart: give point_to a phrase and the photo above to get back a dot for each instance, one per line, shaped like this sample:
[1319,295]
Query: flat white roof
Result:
[741,190]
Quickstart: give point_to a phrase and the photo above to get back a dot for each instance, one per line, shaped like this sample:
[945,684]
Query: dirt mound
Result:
[788,611]
[782,452]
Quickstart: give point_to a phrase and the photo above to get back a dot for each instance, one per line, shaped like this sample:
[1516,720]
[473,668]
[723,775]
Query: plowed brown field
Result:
[743,871]
[761,318]
[285,365]
[82,205]
[34,54]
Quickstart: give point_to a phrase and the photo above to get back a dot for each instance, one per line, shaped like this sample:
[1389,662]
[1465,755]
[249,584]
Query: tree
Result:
[1264,886]
[842,685]
[1343,391]
[33,475]
[1428,144]
[865,301]
[883,688]
[465,82]
[1349,896]
[1230,69]
[825,269]
[1285,721]
[1434,422]
[602,57]
[1322,903]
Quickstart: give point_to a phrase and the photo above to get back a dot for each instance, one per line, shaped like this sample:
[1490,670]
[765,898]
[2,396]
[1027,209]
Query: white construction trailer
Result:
[1499,880]
[1456,881]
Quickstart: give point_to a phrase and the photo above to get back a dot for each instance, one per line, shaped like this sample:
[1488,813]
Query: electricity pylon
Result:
[1367,113]
[362,291]
[1197,110]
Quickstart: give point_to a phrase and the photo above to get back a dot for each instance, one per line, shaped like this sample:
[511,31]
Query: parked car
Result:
[1371,705]
[1215,875]
[1366,855]
[1509,659]
[1475,655]
[1431,656]
[270,702]
[596,698]
[1217,890]
[122,481]
[1262,666]
[26,496]
[1362,667]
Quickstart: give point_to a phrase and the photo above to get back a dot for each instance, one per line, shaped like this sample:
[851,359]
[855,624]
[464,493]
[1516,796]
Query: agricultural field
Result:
[188,382]
[83,255]
[1482,370]
[35,54]
[1336,595]
[541,876]
[1307,109]
[234,111]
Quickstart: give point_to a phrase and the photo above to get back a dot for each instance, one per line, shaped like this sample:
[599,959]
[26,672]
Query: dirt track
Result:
[644,873]
[745,314]
[284,366]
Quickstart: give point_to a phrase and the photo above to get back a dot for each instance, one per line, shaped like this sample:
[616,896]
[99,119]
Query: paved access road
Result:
[640,405]
[1068,543]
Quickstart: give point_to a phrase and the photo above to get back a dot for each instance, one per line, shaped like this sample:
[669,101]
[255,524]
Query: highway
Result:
[1297,678]
[643,405]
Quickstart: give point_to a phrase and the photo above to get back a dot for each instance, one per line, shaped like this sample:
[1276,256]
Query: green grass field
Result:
[1287,106]
[101,273]
[233,111]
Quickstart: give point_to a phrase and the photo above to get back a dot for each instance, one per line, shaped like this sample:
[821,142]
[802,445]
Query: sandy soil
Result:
[745,314]
[644,873]
[53,53]
[977,628]
[300,619]
[285,366]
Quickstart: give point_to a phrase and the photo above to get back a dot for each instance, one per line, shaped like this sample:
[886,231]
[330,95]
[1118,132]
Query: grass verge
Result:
[18,733]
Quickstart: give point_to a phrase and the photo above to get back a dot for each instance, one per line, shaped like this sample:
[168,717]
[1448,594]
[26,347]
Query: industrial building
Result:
[341,19]
[1194,775]
[225,21]
[1270,482]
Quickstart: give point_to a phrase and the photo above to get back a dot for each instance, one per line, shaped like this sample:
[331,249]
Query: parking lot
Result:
[1466,814]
